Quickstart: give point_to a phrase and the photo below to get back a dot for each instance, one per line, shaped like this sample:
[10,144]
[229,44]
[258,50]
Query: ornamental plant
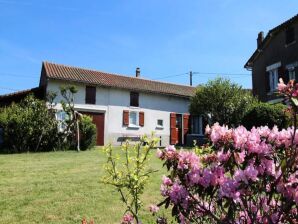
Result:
[242,176]
[129,176]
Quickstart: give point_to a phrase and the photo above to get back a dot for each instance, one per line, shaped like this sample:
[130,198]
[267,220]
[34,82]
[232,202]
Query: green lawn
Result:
[64,187]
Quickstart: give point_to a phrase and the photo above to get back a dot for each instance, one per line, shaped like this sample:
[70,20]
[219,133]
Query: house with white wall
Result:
[125,107]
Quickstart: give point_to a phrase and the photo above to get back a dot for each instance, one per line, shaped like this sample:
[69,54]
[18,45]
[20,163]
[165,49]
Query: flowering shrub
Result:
[246,176]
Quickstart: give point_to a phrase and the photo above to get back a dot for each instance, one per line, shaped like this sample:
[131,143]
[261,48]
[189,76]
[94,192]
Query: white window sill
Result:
[290,44]
[160,127]
[132,126]
[198,135]
[133,107]
[272,92]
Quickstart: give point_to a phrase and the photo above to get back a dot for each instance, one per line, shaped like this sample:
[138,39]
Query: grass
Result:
[64,187]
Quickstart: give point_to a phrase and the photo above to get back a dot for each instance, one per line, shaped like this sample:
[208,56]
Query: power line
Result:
[10,89]
[221,74]
[169,76]
[205,73]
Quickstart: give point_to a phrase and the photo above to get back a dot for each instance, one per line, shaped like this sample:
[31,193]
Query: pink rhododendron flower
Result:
[178,193]
[187,160]
[153,209]
[281,86]
[240,136]
[166,181]
[239,157]
[159,153]
[127,219]
[222,156]
[244,171]
[170,152]
[229,189]
[207,130]
[251,173]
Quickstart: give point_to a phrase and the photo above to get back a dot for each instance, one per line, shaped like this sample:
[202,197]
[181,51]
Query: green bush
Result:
[28,126]
[87,133]
[261,114]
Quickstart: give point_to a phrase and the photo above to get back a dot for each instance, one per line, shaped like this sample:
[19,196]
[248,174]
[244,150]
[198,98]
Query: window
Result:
[61,117]
[290,35]
[134,99]
[133,118]
[292,75]
[196,125]
[159,123]
[273,79]
[90,95]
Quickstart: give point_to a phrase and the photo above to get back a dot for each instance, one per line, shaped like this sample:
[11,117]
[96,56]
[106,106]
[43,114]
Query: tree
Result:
[221,101]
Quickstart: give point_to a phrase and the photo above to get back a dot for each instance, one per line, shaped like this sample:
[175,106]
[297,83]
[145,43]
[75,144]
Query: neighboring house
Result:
[125,107]
[276,57]
[16,97]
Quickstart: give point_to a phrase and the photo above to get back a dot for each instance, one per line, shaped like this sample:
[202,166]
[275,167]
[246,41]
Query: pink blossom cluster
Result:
[289,90]
[127,219]
[246,175]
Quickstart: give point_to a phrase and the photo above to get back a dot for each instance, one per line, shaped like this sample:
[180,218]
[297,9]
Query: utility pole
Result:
[190,78]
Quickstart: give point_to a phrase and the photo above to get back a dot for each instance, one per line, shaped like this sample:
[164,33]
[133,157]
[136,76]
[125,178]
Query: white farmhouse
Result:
[126,107]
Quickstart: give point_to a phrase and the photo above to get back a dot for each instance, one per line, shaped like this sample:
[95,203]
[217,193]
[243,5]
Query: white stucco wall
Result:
[112,102]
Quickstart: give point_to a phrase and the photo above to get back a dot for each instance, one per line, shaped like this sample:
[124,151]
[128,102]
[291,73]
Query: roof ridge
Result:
[109,73]
[268,37]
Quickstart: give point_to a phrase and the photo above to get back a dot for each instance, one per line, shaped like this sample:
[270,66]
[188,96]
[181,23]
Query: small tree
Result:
[130,178]
[221,101]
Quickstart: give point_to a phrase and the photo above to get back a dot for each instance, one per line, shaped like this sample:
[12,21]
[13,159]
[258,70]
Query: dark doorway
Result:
[99,120]
[179,128]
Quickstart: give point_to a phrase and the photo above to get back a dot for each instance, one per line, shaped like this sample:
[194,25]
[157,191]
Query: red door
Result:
[99,120]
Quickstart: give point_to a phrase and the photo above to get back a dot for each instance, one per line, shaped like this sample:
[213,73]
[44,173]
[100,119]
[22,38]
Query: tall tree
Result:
[221,101]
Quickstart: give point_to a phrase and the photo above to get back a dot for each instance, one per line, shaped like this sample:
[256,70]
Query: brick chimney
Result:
[138,72]
[260,39]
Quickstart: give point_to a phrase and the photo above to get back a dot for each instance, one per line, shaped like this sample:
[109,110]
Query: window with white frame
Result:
[273,79]
[197,125]
[159,123]
[292,75]
[61,117]
[133,118]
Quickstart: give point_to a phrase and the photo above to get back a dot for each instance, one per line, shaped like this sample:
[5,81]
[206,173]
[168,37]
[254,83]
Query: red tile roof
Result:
[69,73]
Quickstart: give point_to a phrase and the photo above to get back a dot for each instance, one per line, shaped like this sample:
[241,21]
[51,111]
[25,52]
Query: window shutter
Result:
[185,126]
[173,130]
[283,74]
[141,118]
[267,82]
[125,117]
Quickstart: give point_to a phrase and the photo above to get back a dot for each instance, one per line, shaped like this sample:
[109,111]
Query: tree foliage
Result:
[29,126]
[265,114]
[221,101]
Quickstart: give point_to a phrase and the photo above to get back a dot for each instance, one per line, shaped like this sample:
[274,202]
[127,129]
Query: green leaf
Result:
[294,101]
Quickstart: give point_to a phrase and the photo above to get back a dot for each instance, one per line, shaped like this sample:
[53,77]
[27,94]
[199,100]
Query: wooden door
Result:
[173,130]
[98,119]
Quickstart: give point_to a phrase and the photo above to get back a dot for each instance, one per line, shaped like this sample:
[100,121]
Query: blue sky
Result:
[162,37]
